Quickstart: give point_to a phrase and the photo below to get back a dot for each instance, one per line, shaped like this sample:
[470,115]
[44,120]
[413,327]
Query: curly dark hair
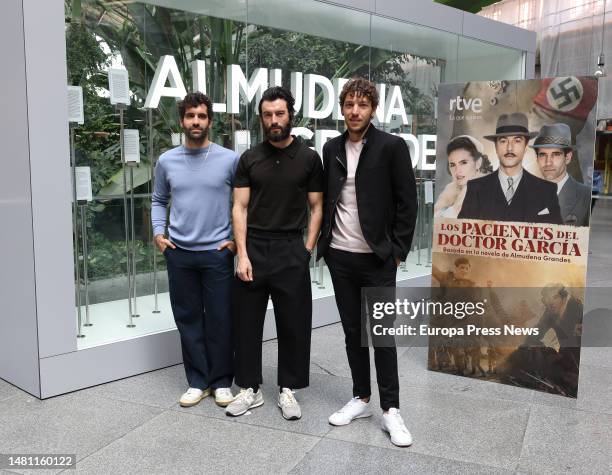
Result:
[360,87]
[464,143]
[195,99]
[278,92]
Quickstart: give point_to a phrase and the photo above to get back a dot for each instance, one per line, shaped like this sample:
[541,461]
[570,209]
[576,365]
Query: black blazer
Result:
[385,188]
[534,201]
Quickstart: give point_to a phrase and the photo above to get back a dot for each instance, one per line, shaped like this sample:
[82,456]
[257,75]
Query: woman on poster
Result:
[466,161]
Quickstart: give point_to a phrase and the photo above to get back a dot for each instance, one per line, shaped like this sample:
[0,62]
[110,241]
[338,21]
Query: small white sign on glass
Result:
[131,144]
[82,181]
[75,104]
[177,138]
[119,86]
[429,192]
[242,141]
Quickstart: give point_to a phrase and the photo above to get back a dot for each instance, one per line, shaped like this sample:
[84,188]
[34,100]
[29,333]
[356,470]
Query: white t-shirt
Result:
[347,234]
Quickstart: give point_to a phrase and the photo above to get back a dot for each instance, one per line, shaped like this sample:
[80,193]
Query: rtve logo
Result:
[462,104]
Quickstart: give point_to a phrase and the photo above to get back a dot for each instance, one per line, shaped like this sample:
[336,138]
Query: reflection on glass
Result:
[480,61]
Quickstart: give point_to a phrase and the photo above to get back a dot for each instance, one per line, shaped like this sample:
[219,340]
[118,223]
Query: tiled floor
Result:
[459,425]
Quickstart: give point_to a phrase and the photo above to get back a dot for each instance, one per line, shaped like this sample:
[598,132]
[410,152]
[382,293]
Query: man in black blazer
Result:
[369,215]
[511,193]
[554,152]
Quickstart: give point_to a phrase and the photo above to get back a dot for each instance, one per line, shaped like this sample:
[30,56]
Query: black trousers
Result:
[280,270]
[350,271]
[200,294]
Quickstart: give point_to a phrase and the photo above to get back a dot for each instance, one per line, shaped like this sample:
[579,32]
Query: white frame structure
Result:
[38,346]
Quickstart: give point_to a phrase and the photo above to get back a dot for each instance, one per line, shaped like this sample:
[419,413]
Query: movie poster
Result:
[511,228]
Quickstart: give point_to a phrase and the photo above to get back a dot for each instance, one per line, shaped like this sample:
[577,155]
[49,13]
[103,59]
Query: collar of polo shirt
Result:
[290,150]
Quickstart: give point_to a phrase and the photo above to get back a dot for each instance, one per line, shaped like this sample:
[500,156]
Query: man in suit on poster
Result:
[511,193]
[554,152]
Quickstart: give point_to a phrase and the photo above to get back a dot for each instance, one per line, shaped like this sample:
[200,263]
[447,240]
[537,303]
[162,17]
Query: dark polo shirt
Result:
[280,180]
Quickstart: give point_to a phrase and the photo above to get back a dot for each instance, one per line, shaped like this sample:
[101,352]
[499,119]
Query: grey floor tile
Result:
[327,353]
[325,395]
[594,392]
[412,366]
[183,443]
[561,440]
[338,457]
[161,388]
[596,357]
[67,424]
[468,429]
[269,357]
[597,296]
[7,390]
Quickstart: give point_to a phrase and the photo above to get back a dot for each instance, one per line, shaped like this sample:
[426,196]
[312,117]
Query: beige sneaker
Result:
[223,396]
[245,400]
[289,405]
[193,396]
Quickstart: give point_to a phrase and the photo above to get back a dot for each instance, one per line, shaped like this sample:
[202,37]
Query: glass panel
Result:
[134,36]
[416,59]
[480,61]
[311,38]
[298,43]
[437,48]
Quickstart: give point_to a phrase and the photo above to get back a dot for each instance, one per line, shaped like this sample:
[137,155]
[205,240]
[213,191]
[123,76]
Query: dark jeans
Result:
[280,270]
[200,293]
[350,271]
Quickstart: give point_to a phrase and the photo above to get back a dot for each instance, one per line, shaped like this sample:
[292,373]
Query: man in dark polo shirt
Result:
[276,184]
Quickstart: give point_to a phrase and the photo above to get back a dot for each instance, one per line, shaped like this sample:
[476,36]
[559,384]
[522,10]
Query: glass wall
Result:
[480,61]
[308,46]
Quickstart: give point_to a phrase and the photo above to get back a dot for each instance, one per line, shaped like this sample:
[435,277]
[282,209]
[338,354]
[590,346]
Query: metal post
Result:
[315,267]
[126,222]
[85,263]
[133,240]
[429,232]
[155,282]
[419,223]
[321,279]
[75,228]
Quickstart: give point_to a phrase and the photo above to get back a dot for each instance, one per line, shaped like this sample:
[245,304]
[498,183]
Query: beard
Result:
[198,139]
[360,129]
[277,136]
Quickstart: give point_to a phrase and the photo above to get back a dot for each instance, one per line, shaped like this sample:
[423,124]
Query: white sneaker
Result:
[354,409]
[393,423]
[193,396]
[289,405]
[245,400]
[223,396]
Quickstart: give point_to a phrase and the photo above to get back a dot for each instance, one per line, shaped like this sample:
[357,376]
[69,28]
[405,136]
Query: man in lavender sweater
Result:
[198,178]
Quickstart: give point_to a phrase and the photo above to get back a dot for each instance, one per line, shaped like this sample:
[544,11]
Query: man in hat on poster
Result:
[511,193]
[554,152]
